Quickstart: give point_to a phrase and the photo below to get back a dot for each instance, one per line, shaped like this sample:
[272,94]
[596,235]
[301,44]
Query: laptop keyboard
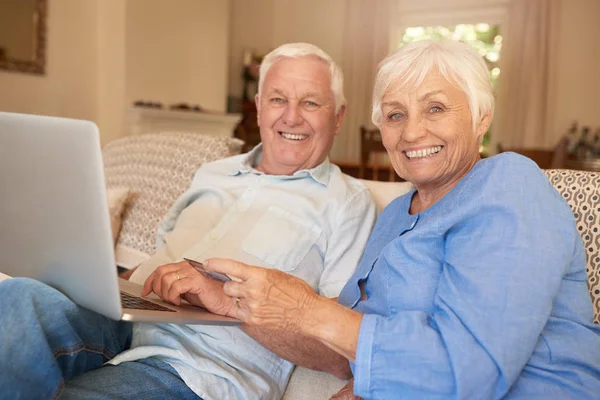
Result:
[137,303]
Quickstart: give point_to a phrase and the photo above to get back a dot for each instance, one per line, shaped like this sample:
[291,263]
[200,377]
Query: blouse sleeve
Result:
[504,262]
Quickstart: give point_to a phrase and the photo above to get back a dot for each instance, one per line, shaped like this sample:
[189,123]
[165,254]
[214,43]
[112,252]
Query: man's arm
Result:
[301,350]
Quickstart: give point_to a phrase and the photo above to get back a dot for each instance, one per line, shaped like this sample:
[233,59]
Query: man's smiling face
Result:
[296,115]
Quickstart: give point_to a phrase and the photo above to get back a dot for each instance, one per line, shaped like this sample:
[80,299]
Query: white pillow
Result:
[117,198]
[384,192]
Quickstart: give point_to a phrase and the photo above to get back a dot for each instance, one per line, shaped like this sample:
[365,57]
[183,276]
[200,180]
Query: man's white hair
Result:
[295,50]
[457,62]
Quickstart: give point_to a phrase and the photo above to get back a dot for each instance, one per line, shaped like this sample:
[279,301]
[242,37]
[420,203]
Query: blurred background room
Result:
[140,66]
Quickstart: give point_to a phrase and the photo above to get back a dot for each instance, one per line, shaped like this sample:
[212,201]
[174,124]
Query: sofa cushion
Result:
[157,168]
[308,384]
[581,190]
[117,198]
[384,192]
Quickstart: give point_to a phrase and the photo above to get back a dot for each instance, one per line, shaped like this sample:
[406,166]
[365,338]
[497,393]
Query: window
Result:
[485,38]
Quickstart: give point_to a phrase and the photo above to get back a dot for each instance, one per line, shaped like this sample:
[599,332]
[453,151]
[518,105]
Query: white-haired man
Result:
[283,205]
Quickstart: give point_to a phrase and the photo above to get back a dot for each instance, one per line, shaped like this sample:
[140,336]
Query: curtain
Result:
[525,91]
[366,42]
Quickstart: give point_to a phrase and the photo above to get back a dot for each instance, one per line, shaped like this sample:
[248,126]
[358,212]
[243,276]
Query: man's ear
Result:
[484,124]
[257,103]
[339,118]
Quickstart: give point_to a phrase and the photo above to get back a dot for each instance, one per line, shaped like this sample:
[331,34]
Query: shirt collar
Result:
[321,173]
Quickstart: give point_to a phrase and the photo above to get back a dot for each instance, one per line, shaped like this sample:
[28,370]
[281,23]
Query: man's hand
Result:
[172,282]
[346,393]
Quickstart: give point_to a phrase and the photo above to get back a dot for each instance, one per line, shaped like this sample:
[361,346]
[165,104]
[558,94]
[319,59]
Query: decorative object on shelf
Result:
[583,143]
[147,104]
[250,75]
[186,107]
[248,129]
[583,148]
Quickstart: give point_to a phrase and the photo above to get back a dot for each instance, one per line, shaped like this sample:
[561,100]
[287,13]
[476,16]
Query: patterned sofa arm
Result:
[581,190]
[156,168]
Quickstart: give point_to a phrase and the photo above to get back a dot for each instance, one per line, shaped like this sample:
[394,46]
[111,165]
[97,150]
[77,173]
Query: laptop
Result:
[55,225]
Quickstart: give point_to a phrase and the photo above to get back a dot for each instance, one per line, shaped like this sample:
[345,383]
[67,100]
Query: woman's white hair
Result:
[294,50]
[457,62]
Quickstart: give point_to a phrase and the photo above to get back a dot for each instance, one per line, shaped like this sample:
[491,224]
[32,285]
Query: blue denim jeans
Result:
[51,348]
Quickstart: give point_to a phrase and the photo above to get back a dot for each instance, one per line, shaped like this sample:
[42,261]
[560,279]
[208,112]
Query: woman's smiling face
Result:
[428,132]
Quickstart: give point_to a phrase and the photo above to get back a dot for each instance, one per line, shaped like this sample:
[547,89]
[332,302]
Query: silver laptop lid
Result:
[54,221]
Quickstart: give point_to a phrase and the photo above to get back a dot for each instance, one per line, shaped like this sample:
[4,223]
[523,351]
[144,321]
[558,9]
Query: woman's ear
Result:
[484,124]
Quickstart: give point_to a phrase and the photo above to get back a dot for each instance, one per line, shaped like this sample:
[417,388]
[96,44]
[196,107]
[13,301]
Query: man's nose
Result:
[414,130]
[292,115]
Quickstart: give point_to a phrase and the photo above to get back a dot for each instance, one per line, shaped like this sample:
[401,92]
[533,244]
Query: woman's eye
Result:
[395,116]
[436,109]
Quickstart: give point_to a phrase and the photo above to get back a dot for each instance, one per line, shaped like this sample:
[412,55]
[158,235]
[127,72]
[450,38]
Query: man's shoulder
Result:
[337,178]
[225,166]
[345,185]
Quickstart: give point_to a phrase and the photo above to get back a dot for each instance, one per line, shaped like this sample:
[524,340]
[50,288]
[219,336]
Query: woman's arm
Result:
[301,350]
[272,299]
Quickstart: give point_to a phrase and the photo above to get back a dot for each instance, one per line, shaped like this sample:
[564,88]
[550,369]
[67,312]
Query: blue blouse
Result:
[481,296]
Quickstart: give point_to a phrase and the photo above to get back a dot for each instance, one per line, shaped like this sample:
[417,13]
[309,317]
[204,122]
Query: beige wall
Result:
[97,63]
[69,87]
[177,52]
[110,86]
[578,78]
[262,25]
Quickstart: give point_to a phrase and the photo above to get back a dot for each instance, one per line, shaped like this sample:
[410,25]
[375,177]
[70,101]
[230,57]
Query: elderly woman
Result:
[473,285]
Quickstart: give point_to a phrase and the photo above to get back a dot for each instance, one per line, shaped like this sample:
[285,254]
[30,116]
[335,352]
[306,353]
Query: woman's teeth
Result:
[291,136]
[423,152]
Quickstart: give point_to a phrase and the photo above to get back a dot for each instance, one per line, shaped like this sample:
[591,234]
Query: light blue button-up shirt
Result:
[313,224]
[481,296]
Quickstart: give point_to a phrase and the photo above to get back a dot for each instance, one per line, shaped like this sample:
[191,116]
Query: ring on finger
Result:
[238,302]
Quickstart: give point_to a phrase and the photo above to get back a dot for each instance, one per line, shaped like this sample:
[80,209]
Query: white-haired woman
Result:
[474,284]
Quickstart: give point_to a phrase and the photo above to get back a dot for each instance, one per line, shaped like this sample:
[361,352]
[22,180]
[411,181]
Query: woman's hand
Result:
[265,297]
[172,282]
[346,393]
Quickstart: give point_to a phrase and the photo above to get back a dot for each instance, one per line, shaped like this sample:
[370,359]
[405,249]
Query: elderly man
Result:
[283,205]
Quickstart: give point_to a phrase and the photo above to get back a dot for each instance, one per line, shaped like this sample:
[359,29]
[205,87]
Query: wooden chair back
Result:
[372,145]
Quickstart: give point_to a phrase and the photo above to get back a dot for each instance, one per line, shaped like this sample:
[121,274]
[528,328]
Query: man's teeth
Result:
[423,152]
[291,136]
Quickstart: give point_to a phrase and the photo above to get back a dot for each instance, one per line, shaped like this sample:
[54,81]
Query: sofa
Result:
[156,168]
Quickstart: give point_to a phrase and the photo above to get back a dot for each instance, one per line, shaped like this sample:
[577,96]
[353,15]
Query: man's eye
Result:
[309,103]
[276,100]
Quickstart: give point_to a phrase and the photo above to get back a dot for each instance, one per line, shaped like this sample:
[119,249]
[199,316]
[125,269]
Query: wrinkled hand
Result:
[172,282]
[346,393]
[265,297]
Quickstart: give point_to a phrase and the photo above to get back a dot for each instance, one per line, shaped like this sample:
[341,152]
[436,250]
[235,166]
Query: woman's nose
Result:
[291,115]
[414,131]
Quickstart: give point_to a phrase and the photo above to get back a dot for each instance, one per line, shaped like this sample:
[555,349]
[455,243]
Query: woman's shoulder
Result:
[505,171]
[507,177]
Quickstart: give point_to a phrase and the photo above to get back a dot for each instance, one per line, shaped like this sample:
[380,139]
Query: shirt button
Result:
[213,236]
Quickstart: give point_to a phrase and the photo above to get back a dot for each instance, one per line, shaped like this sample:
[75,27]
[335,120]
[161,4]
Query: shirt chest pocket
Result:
[281,239]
